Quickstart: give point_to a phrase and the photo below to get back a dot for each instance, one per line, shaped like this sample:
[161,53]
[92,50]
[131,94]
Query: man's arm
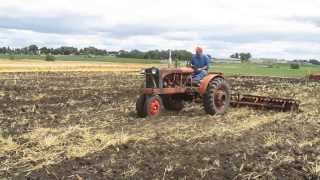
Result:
[206,67]
[203,68]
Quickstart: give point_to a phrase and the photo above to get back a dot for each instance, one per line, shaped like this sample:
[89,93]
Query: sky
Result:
[283,29]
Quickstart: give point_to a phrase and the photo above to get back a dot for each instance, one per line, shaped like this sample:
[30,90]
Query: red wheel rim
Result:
[219,98]
[154,107]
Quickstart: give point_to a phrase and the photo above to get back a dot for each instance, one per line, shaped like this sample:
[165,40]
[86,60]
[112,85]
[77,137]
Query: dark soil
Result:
[32,100]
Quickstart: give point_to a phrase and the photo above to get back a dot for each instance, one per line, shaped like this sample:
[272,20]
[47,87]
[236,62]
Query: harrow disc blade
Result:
[280,104]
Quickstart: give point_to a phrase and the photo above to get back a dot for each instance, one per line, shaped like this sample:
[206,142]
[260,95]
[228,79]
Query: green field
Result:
[82,58]
[282,70]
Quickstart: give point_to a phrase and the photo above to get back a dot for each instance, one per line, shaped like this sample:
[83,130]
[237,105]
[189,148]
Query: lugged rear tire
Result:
[217,97]
[141,112]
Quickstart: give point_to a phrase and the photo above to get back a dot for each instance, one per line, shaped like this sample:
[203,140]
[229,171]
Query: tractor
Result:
[170,88]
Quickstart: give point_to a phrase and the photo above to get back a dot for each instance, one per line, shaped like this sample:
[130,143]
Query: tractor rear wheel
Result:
[140,106]
[153,106]
[173,104]
[217,97]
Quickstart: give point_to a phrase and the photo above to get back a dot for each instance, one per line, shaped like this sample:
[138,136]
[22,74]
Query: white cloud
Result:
[274,28]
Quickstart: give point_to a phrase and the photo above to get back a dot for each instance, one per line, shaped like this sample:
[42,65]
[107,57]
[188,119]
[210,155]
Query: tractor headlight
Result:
[154,71]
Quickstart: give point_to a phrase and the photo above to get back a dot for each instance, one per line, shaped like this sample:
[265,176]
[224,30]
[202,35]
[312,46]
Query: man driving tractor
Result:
[200,63]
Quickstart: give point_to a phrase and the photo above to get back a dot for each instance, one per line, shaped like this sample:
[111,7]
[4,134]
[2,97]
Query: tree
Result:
[245,57]
[3,50]
[44,50]
[33,49]
[9,50]
[314,61]
[181,55]
[65,50]
[92,51]
[175,54]
[18,51]
[154,54]
[25,50]
[6,50]
[69,50]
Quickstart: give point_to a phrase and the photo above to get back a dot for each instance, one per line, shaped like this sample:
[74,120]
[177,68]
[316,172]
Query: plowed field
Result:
[82,125]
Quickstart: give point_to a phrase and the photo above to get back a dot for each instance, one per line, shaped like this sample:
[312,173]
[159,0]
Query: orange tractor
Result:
[169,88]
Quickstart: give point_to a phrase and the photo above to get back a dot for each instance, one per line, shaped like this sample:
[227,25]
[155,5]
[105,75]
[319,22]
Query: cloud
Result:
[315,20]
[266,36]
[66,23]
[128,30]
[274,28]
[22,38]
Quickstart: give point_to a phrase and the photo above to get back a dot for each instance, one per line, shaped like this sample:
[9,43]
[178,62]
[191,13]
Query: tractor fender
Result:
[205,82]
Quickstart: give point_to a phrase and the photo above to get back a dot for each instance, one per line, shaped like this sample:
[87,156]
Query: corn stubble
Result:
[83,125]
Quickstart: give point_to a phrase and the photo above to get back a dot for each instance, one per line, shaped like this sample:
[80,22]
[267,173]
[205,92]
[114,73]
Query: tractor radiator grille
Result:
[152,80]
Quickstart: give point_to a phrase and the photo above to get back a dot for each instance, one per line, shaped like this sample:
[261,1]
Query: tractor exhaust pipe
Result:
[170,59]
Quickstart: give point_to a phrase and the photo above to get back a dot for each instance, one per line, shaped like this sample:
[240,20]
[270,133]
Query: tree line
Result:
[93,51]
[156,54]
[311,61]
[64,50]
[69,50]
[244,57]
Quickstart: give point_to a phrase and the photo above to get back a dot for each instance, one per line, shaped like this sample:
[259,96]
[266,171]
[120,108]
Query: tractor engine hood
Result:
[183,70]
[162,72]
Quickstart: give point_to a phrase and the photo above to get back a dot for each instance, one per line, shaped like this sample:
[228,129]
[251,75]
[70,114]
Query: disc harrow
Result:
[262,102]
[314,77]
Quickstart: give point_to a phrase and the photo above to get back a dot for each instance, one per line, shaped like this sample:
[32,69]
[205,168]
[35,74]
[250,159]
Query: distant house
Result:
[272,61]
[301,62]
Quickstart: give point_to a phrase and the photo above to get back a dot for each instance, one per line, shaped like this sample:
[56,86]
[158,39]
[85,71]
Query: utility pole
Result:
[170,59]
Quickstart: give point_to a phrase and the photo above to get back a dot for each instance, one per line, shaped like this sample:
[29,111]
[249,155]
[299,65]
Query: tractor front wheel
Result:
[153,106]
[217,97]
[149,106]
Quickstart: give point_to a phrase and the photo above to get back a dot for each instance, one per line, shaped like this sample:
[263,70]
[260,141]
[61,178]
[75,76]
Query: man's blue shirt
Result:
[200,61]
